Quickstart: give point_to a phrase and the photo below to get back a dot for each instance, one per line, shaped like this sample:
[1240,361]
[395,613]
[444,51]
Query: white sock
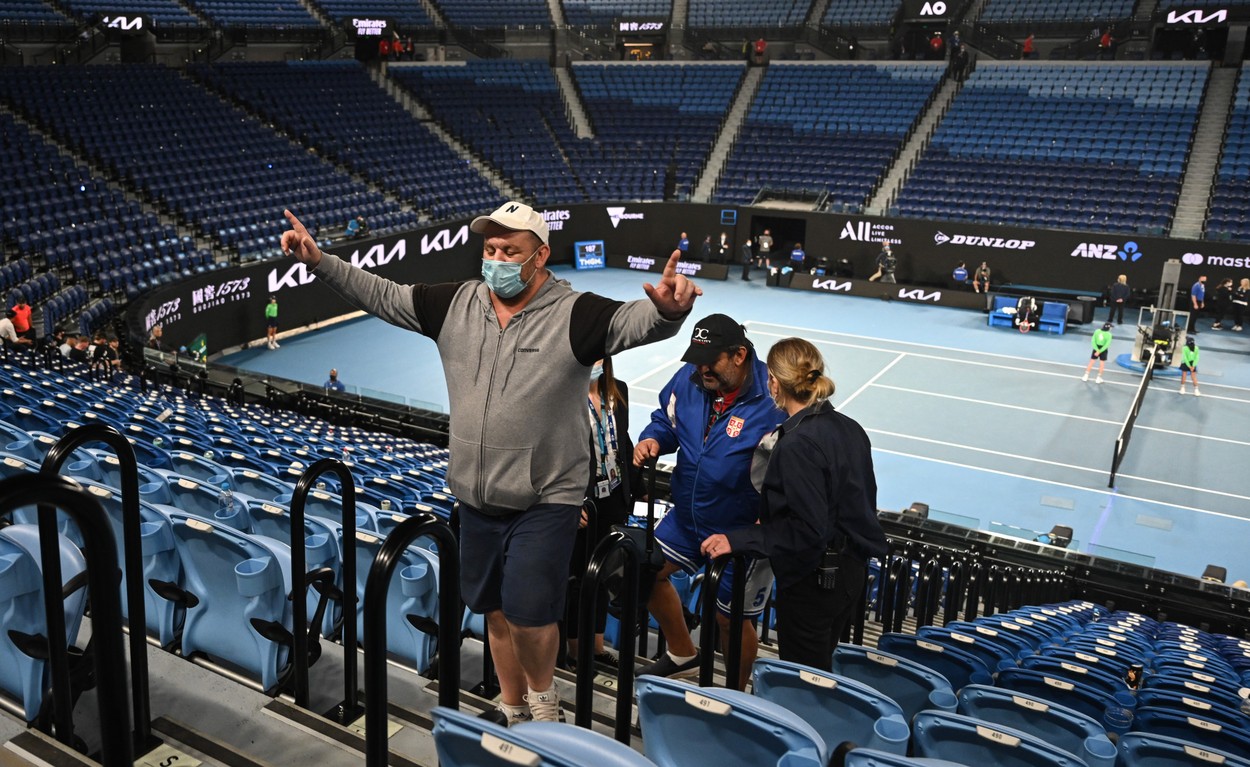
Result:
[513,711]
[680,659]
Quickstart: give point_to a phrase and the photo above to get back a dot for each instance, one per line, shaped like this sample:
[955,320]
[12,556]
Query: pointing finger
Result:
[295,223]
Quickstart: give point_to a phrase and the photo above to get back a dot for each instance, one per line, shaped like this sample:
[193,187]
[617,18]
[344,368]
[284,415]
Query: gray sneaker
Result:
[666,666]
[545,706]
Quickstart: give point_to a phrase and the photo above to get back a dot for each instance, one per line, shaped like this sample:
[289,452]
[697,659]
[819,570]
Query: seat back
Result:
[1140,749]
[960,668]
[1195,729]
[411,602]
[839,708]
[912,686]
[21,610]
[1070,730]
[464,740]
[240,586]
[1069,693]
[963,739]
[869,757]
[687,725]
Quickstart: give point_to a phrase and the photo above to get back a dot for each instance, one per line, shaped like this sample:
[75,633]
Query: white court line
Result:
[1064,415]
[872,380]
[1095,490]
[1044,462]
[948,349]
[1001,404]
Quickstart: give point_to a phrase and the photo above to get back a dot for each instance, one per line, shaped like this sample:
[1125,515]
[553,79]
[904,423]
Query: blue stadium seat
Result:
[959,667]
[23,676]
[687,725]
[464,740]
[839,708]
[1140,749]
[1070,730]
[1091,702]
[966,740]
[235,590]
[912,686]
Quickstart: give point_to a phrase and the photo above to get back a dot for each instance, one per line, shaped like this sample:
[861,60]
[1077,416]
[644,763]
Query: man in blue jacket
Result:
[517,348]
[713,413]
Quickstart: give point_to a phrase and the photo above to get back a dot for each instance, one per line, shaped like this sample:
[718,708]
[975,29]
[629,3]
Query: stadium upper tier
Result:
[1094,146]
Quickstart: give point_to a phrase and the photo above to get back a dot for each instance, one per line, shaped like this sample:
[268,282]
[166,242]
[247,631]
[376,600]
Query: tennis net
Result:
[1126,430]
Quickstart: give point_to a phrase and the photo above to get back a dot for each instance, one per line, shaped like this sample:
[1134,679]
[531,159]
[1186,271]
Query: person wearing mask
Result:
[797,257]
[1189,365]
[1119,295]
[705,250]
[1101,343]
[683,244]
[271,323]
[609,496]
[1221,302]
[517,346]
[1240,301]
[154,338]
[333,383]
[1197,302]
[981,278]
[713,413]
[748,256]
[765,243]
[818,508]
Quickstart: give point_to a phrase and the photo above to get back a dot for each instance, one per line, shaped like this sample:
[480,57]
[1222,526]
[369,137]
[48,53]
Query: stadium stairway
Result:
[418,110]
[573,103]
[817,12]
[1204,154]
[729,133]
[925,126]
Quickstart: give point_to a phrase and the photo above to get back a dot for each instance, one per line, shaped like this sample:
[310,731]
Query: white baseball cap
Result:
[516,216]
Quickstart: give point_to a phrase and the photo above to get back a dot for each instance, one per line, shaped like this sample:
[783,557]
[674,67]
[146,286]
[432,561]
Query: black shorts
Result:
[273,323]
[1098,355]
[518,563]
[1185,367]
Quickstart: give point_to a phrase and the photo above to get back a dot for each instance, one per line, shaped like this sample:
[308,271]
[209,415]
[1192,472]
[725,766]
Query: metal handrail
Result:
[47,490]
[592,586]
[132,548]
[299,584]
[733,653]
[376,588]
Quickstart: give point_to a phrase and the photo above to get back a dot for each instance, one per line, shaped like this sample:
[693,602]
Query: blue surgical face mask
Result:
[596,372]
[504,277]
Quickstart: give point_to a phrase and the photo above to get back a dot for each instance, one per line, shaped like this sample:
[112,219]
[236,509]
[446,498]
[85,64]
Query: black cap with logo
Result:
[712,335]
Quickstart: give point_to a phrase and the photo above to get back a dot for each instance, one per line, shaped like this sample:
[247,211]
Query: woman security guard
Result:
[818,508]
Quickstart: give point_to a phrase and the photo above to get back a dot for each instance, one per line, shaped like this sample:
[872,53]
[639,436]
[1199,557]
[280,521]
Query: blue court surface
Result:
[992,428]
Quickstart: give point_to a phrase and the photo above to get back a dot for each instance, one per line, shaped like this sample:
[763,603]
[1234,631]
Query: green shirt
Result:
[271,311]
[1189,356]
[1102,340]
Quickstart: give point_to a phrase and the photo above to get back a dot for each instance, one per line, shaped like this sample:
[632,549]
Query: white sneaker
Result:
[1098,379]
[545,706]
[1237,328]
[1182,388]
[1196,392]
[1085,377]
[276,345]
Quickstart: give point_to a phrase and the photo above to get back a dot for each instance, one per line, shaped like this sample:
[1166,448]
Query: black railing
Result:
[301,579]
[132,547]
[449,610]
[52,492]
[591,593]
[707,637]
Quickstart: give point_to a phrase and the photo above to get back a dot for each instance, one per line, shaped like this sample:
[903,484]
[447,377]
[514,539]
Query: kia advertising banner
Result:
[960,297]
[228,305]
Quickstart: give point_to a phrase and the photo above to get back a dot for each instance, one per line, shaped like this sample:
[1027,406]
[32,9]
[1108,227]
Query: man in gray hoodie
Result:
[517,348]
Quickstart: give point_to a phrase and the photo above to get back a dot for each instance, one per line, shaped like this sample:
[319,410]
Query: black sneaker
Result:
[666,666]
[607,659]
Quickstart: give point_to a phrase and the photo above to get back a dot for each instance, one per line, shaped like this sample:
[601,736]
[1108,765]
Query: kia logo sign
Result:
[1197,16]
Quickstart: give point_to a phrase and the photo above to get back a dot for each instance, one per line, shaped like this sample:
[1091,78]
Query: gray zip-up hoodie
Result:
[520,433]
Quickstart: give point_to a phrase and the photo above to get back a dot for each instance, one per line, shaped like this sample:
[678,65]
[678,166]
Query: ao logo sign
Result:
[933,9]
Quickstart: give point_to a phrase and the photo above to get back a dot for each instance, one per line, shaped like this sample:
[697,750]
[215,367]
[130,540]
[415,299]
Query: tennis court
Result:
[990,427]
